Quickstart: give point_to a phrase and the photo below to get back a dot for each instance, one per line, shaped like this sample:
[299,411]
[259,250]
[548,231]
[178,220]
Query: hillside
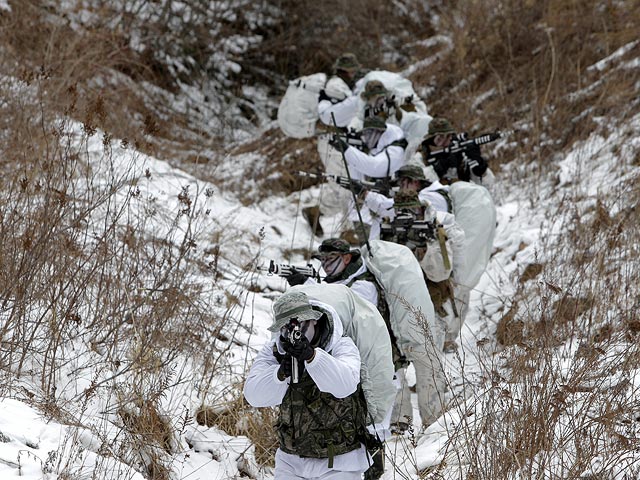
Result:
[144,179]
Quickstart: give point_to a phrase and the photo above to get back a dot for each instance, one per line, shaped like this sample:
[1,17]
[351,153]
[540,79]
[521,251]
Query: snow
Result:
[167,202]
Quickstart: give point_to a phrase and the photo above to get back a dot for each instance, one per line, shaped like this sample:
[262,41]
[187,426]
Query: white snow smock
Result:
[298,109]
[412,314]
[475,212]
[365,326]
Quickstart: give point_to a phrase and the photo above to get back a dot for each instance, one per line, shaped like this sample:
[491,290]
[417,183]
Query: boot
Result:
[376,469]
[312,216]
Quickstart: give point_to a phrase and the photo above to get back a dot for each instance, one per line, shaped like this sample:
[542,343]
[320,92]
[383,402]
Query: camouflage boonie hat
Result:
[375,123]
[413,172]
[373,88]
[290,305]
[437,126]
[347,62]
[406,198]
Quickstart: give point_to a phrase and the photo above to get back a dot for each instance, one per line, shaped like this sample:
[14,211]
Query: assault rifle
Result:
[405,228]
[284,270]
[294,334]
[461,143]
[350,135]
[381,185]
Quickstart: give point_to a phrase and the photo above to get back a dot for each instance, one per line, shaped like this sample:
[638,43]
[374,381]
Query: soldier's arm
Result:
[338,372]
[262,387]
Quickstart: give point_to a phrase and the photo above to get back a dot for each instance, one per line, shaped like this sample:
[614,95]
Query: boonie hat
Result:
[290,305]
[414,172]
[406,198]
[347,62]
[438,126]
[373,88]
[375,123]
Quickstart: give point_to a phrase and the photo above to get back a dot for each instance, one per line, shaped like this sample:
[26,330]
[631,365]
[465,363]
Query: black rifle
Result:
[381,185]
[405,228]
[294,334]
[284,270]
[350,135]
[462,143]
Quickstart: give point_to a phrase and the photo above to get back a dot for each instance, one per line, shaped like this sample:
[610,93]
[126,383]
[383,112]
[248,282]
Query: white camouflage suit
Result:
[434,267]
[454,319]
[344,109]
[335,370]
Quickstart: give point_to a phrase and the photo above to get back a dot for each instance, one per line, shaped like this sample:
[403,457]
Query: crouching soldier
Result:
[312,372]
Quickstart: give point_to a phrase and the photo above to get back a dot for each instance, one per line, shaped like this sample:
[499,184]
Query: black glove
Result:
[295,277]
[444,162]
[285,368]
[339,144]
[323,96]
[357,188]
[354,186]
[476,163]
[302,350]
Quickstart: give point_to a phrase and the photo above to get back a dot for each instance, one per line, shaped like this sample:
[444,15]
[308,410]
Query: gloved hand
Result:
[444,162]
[339,144]
[408,105]
[295,277]
[476,163]
[354,186]
[323,96]
[285,368]
[302,350]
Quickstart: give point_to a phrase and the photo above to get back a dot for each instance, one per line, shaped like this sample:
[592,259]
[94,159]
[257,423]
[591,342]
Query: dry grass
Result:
[236,417]
[132,297]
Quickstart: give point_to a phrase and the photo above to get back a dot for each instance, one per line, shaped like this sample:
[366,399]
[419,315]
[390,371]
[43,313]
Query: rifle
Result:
[284,270]
[294,334]
[379,186]
[462,143]
[405,228]
[350,135]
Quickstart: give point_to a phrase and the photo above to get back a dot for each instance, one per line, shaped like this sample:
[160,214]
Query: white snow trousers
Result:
[427,363]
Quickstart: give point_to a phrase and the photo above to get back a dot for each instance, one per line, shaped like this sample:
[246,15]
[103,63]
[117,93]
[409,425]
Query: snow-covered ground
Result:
[33,446]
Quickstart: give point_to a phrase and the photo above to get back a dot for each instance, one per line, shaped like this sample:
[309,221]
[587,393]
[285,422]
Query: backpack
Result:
[475,212]
[365,326]
[397,270]
[298,109]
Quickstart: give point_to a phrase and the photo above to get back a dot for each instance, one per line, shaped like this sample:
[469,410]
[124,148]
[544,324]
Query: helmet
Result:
[334,245]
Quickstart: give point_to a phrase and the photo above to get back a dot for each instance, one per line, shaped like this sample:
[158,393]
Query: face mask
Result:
[309,329]
[332,266]
[370,137]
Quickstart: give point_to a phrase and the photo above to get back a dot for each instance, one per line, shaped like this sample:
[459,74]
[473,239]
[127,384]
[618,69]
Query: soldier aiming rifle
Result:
[455,156]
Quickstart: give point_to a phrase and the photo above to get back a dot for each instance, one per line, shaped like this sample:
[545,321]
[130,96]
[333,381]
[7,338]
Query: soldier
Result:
[321,421]
[438,243]
[411,177]
[337,97]
[345,265]
[451,167]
